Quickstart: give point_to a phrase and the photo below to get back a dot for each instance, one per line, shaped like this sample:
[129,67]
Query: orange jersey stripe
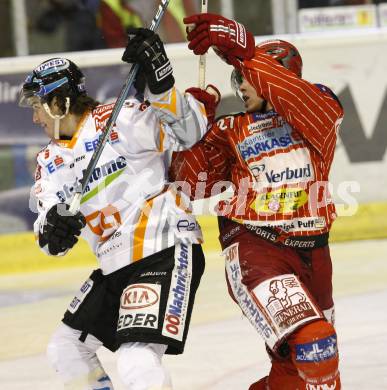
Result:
[139,232]
[69,144]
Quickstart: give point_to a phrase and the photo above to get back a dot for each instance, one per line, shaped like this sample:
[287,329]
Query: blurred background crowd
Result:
[48,26]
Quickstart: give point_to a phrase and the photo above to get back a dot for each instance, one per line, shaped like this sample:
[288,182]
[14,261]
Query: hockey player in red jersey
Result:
[274,230]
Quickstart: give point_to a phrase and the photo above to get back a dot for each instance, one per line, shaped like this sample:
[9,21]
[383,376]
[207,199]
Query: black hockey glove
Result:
[61,229]
[146,48]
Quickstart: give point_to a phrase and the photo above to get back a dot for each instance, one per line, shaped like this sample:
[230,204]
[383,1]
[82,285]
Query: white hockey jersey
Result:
[131,212]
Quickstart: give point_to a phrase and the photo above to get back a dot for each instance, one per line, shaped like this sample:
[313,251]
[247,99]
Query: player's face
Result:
[252,101]
[40,117]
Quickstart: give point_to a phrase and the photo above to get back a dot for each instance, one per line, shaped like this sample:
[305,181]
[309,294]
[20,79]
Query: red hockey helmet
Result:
[285,53]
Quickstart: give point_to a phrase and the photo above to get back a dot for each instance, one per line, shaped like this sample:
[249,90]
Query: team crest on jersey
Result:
[103,109]
[101,115]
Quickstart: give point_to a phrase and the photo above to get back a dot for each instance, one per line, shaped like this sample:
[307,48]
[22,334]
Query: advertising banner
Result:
[337,18]
[382,12]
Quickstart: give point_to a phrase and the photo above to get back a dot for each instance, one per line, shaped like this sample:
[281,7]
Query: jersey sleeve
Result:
[314,112]
[182,116]
[44,193]
[207,163]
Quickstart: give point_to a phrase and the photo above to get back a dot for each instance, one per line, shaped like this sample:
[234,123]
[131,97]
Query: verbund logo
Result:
[292,167]
[288,174]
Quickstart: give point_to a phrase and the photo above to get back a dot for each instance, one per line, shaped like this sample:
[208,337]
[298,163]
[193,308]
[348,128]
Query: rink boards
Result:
[20,252]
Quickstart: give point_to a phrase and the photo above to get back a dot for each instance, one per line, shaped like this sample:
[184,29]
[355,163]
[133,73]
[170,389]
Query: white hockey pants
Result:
[139,364]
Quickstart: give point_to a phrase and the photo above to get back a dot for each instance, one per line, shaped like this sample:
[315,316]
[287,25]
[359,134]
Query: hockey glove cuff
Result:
[230,38]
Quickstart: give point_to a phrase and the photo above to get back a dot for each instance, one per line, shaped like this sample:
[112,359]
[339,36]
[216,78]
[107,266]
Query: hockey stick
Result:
[80,188]
[202,57]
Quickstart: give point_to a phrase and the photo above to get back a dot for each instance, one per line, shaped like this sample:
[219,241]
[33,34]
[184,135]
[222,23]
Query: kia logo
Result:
[138,296]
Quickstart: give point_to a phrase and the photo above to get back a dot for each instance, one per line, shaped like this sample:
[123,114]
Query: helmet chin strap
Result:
[57,118]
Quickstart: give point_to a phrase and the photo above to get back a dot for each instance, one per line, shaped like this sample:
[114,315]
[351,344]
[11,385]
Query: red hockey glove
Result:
[210,97]
[229,37]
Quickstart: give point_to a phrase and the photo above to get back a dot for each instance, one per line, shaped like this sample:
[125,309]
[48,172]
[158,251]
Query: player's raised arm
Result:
[274,69]
[183,114]
[275,72]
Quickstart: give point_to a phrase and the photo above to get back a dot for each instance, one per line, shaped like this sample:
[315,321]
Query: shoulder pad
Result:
[328,91]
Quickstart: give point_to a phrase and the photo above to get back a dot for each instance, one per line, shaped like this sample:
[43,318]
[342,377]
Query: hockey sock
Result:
[139,366]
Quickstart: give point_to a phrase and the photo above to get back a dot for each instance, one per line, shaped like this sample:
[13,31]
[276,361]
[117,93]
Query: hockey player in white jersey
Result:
[147,242]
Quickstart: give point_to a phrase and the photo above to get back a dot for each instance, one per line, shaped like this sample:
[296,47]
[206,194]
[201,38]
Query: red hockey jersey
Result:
[277,162]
